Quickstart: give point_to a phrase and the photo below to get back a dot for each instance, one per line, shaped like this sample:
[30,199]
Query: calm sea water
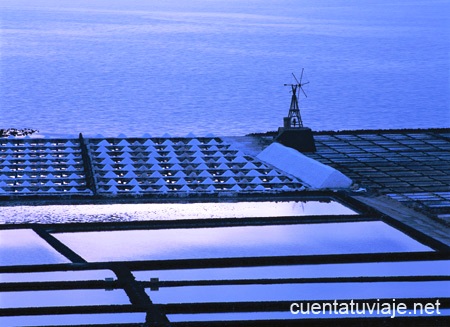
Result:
[218,66]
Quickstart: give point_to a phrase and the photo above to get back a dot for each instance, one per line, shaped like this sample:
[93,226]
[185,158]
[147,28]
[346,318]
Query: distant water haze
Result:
[216,66]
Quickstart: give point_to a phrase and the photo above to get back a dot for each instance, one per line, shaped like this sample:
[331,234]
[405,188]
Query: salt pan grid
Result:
[388,162]
[30,166]
[41,166]
[409,166]
[181,165]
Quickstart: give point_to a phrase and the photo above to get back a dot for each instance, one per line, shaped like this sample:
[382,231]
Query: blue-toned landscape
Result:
[151,195]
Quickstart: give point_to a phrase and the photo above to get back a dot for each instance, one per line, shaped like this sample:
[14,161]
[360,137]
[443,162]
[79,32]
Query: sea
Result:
[202,67]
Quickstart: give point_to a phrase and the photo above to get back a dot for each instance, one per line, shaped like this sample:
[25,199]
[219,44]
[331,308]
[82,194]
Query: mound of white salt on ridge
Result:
[315,174]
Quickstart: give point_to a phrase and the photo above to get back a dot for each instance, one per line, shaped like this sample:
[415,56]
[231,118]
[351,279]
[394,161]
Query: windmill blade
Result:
[301,76]
[303,91]
[296,78]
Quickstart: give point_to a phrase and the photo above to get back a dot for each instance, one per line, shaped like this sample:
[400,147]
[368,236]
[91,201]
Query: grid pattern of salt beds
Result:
[409,166]
[168,165]
[42,166]
[389,162]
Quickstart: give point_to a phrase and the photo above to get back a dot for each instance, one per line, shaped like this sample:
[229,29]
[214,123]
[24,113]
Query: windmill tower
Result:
[293,134]
[294,119]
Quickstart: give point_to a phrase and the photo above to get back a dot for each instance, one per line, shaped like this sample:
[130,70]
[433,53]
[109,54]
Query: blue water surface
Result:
[218,66]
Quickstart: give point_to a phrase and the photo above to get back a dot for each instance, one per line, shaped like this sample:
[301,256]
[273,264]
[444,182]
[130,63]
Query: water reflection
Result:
[274,315]
[25,247]
[336,238]
[27,299]
[55,276]
[70,320]
[297,292]
[232,316]
[415,268]
[167,211]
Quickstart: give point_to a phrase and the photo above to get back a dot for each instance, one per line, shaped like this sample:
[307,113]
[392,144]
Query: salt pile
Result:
[312,172]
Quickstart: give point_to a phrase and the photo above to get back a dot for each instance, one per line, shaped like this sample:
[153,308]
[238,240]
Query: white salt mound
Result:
[315,174]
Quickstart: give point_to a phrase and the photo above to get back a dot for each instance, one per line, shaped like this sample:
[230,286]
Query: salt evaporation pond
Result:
[166,211]
[240,241]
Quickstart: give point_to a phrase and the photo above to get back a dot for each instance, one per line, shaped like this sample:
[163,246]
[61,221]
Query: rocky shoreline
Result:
[17,132]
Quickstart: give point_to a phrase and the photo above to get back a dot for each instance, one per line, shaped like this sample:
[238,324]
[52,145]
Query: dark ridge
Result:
[365,131]
[17,132]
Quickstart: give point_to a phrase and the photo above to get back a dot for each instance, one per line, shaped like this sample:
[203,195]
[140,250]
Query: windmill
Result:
[294,119]
[293,134]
